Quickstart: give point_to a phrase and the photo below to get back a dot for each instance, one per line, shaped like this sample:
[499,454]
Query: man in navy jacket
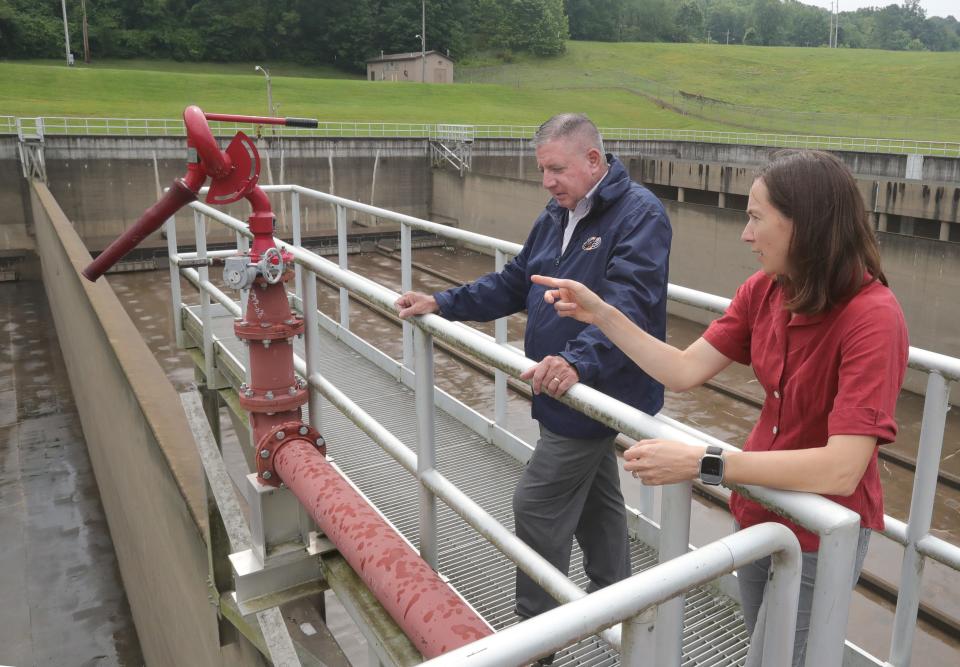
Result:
[610,233]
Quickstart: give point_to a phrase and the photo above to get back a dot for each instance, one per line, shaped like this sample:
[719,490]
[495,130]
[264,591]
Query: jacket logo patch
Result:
[591,243]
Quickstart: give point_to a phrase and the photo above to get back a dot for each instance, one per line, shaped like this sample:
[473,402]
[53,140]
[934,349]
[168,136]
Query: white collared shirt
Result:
[579,213]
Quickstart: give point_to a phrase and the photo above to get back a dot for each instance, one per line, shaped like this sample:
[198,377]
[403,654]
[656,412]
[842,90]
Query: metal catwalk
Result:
[713,628]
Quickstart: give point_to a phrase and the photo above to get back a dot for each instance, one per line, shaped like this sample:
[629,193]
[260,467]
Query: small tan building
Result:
[408,67]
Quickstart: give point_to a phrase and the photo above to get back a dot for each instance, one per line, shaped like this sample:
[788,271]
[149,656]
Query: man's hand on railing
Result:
[552,376]
[415,303]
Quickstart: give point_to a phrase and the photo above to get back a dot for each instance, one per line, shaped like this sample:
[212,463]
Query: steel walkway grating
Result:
[714,634]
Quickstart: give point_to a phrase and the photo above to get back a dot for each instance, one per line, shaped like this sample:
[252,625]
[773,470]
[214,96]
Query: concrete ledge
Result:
[142,452]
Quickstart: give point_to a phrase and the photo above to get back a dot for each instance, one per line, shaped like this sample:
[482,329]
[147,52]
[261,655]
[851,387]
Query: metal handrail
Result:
[836,525]
[454,132]
[628,599]
[919,358]
[69,125]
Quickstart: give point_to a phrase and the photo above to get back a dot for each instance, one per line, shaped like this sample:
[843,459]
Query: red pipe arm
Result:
[215,162]
[431,614]
[182,192]
[262,120]
[260,222]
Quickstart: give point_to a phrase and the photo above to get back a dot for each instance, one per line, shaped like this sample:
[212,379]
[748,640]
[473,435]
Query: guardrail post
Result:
[243,247]
[648,499]
[173,253]
[426,444]
[831,595]
[312,345]
[297,241]
[499,377]
[342,258]
[674,541]
[406,284]
[781,595]
[639,648]
[200,233]
[935,408]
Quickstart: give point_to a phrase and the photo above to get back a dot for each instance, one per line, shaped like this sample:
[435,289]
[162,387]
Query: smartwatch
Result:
[711,466]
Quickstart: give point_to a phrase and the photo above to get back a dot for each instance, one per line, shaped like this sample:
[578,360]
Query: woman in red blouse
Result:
[827,341]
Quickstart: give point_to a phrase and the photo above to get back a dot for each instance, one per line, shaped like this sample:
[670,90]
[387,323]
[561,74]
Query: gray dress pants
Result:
[571,487]
[752,580]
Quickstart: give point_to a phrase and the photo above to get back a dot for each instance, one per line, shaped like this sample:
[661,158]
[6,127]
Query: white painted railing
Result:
[837,527]
[65,125]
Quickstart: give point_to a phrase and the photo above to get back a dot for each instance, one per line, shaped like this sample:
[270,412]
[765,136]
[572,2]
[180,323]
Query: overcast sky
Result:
[933,7]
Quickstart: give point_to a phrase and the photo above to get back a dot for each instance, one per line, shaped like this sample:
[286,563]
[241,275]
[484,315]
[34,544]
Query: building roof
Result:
[405,56]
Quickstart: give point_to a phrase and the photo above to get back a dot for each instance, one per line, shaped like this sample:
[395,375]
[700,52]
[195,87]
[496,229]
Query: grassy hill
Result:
[161,90]
[824,91]
[791,90]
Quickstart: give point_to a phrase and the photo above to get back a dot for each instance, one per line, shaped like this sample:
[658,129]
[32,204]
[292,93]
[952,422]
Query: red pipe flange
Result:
[275,439]
[269,401]
[246,330]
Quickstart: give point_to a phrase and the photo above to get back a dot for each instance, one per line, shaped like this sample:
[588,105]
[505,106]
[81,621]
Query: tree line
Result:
[345,33]
[898,27]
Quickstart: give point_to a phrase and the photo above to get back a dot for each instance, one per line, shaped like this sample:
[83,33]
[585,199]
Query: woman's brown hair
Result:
[833,244]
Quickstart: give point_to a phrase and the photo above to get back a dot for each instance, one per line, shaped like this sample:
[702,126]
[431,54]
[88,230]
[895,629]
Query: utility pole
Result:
[836,27]
[66,32]
[830,29]
[834,23]
[423,41]
[86,38]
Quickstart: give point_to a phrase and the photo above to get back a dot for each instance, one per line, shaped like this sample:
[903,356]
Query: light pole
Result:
[266,73]
[66,32]
[423,41]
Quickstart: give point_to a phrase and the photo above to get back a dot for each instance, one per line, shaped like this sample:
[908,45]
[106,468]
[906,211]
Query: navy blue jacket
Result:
[620,251]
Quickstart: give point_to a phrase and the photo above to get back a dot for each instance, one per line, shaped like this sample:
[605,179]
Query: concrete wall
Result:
[104,184]
[16,231]
[491,205]
[142,453]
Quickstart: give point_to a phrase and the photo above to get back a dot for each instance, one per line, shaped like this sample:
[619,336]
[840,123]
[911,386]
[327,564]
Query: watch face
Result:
[711,469]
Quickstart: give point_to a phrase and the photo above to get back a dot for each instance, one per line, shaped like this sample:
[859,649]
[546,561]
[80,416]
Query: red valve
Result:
[234,173]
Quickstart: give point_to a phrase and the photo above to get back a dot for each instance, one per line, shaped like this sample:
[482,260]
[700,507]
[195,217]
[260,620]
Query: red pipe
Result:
[199,136]
[427,609]
[238,118]
[261,223]
[182,192]
[434,618]
[262,120]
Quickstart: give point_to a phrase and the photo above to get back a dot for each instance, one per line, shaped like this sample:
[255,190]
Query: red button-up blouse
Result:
[835,373]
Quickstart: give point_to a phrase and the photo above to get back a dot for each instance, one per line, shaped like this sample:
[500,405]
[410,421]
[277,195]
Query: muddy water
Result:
[146,297]
[61,598]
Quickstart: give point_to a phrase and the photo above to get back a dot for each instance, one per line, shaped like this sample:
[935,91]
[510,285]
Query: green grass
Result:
[48,89]
[277,69]
[789,90]
[830,91]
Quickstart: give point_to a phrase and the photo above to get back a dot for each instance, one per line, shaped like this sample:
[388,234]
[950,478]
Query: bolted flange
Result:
[269,401]
[265,331]
[274,439]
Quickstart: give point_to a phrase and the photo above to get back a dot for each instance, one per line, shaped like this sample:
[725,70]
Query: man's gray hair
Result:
[568,126]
